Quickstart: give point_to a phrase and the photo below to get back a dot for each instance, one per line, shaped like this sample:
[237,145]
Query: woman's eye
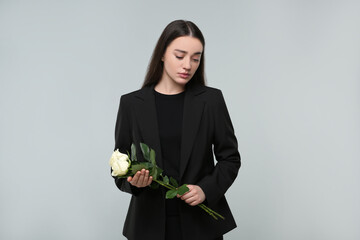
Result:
[195,60]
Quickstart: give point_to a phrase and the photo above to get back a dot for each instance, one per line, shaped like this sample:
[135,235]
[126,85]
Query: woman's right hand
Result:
[140,179]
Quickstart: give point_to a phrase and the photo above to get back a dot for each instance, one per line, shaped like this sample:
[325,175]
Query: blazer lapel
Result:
[193,110]
[147,119]
[146,116]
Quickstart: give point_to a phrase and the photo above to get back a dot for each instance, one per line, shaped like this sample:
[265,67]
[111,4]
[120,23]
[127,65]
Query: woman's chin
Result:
[182,81]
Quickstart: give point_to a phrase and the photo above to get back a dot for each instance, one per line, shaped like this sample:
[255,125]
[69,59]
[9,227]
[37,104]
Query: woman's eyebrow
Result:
[182,51]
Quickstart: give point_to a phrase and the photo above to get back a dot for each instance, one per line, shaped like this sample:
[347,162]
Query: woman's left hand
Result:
[194,196]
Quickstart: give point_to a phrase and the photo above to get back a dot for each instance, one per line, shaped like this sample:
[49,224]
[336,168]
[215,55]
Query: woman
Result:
[185,122]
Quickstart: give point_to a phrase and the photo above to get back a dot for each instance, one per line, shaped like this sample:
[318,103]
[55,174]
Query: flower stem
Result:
[164,184]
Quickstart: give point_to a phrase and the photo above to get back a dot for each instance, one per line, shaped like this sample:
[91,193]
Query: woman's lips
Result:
[184,75]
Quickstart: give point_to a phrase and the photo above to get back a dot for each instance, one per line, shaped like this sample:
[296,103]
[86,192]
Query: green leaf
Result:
[159,171]
[140,165]
[154,173]
[166,180]
[133,153]
[129,156]
[171,193]
[152,157]
[145,150]
[174,182]
[182,189]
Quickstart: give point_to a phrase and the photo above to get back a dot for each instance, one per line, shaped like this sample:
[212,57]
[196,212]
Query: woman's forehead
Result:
[186,44]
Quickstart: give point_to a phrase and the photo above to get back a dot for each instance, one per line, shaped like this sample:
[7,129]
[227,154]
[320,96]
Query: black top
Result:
[169,110]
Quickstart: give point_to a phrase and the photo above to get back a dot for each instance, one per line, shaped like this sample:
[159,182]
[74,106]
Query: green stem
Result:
[211,212]
[164,184]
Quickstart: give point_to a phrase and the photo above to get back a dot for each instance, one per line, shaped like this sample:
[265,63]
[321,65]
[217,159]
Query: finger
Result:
[135,178]
[149,181]
[146,178]
[129,179]
[187,195]
[191,201]
[141,178]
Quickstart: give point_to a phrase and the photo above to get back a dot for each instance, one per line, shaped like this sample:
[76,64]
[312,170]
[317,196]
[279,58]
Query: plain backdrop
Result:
[289,71]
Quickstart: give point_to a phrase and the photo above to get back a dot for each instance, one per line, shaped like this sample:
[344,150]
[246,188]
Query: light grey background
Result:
[289,71]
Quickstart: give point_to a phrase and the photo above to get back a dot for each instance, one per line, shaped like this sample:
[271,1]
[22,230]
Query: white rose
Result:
[119,163]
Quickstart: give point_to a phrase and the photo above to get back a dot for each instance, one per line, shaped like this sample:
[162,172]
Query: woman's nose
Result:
[187,63]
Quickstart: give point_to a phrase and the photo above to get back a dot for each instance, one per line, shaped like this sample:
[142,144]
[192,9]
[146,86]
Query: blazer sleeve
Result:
[226,152]
[123,141]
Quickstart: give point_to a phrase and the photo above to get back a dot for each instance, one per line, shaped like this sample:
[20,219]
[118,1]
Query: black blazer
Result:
[207,129]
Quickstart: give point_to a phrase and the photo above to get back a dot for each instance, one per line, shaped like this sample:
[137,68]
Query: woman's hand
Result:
[140,179]
[194,196]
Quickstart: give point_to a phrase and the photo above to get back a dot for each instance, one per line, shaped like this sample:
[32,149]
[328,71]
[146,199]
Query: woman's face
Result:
[181,60]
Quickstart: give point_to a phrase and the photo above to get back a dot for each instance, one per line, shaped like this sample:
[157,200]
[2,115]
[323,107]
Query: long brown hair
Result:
[173,30]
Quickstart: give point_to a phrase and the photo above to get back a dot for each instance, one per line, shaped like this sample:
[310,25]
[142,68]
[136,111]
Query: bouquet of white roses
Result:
[125,165]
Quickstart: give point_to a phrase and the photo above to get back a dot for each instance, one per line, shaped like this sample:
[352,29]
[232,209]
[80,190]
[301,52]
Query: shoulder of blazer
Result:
[210,95]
